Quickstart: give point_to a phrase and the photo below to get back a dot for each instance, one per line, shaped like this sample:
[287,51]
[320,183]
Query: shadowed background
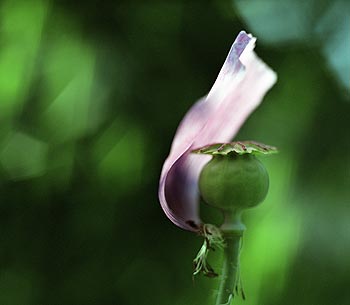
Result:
[91,94]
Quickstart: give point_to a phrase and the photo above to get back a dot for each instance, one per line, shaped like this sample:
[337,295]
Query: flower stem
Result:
[230,271]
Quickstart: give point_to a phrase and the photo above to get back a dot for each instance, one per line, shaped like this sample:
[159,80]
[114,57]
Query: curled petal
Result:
[238,90]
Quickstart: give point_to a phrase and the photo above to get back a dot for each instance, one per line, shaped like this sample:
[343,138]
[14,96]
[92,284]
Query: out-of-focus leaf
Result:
[277,21]
[120,153]
[21,25]
[23,156]
[69,72]
[333,31]
[315,24]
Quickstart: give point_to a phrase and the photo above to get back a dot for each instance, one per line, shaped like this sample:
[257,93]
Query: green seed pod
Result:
[234,182]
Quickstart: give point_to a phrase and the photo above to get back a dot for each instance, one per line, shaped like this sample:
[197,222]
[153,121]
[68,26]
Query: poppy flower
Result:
[239,88]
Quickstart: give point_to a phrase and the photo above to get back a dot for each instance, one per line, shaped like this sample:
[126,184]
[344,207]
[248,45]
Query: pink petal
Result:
[238,90]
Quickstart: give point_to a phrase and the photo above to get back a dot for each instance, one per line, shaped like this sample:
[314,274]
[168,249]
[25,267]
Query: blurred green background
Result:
[91,94]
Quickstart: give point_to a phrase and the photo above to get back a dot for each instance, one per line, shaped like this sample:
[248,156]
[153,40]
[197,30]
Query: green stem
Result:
[230,270]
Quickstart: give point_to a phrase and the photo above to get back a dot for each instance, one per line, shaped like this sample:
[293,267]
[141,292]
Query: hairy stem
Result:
[230,270]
